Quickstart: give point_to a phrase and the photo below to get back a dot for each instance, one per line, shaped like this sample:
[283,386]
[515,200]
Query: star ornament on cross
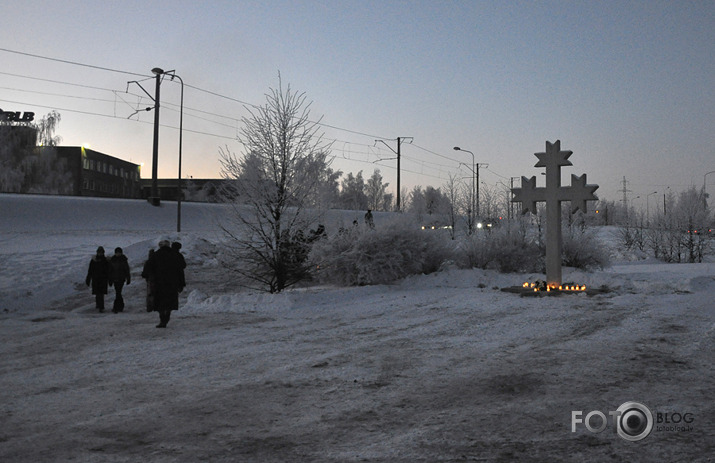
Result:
[578,193]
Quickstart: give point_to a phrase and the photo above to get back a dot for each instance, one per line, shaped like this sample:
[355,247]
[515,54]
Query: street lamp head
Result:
[457,148]
[157,71]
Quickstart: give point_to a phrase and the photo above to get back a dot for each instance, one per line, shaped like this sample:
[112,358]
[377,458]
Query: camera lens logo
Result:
[634,421]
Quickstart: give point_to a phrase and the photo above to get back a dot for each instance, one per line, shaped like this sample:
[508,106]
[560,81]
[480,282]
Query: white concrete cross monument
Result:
[578,193]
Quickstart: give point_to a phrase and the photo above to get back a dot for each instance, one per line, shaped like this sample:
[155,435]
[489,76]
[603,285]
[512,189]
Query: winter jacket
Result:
[119,272]
[182,261]
[98,274]
[164,268]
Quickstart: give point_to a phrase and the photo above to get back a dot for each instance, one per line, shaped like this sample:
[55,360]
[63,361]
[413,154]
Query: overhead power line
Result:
[115,117]
[75,63]
[209,92]
[57,81]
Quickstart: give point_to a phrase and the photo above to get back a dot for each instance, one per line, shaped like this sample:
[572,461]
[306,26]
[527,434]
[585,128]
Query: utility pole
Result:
[398,175]
[625,192]
[154,199]
[400,140]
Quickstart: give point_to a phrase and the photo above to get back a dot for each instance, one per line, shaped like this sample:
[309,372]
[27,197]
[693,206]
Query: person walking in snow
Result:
[368,219]
[150,306]
[98,277]
[176,246]
[119,274]
[165,268]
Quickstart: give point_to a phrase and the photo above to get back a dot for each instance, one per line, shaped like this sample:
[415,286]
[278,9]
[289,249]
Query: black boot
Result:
[163,318]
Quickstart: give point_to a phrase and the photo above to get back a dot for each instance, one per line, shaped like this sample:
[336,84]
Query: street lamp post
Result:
[181,131]
[471,206]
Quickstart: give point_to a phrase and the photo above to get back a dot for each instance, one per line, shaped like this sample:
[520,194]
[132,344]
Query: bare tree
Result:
[285,158]
[451,191]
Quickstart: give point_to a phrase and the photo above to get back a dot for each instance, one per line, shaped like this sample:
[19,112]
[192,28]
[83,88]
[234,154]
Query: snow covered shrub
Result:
[501,249]
[364,256]
[581,249]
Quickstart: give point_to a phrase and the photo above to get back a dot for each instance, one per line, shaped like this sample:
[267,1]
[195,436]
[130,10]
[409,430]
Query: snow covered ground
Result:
[441,367]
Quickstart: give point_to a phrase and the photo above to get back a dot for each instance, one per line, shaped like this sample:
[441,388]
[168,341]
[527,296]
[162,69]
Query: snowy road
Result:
[433,369]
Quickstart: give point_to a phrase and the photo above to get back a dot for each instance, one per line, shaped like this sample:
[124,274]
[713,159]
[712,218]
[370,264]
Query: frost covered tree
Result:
[352,192]
[375,191]
[416,201]
[46,129]
[27,168]
[285,157]
[451,193]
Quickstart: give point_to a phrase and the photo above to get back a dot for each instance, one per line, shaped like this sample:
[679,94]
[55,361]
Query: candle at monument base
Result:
[538,286]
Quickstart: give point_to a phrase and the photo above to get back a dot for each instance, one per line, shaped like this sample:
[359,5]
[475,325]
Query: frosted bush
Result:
[581,249]
[501,250]
[363,256]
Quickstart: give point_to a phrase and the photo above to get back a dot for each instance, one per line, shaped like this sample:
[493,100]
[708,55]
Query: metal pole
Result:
[398,174]
[477,197]
[154,199]
[474,188]
[181,131]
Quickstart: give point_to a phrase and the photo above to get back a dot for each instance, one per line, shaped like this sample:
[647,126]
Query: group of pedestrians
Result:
[105,272]
[163,272]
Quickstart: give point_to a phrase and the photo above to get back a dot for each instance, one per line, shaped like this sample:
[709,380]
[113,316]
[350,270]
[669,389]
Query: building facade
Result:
[92,173]
[197,190]
[62,170]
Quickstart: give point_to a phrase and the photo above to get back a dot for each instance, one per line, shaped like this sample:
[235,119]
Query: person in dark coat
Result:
[165,267]
[98,277]
[369,220]
[176,246]
[118,275]
[150,306]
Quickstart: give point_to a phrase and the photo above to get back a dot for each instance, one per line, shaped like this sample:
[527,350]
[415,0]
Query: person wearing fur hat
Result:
[98,277]
[165,269]
[118,275]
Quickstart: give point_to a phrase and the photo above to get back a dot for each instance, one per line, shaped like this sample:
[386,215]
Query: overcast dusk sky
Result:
[628,86]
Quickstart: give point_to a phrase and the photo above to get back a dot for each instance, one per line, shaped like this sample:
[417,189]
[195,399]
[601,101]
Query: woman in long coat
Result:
[98,277]
[166,270]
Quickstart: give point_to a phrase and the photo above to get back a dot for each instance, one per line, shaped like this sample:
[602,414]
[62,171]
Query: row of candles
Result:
[567,287]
